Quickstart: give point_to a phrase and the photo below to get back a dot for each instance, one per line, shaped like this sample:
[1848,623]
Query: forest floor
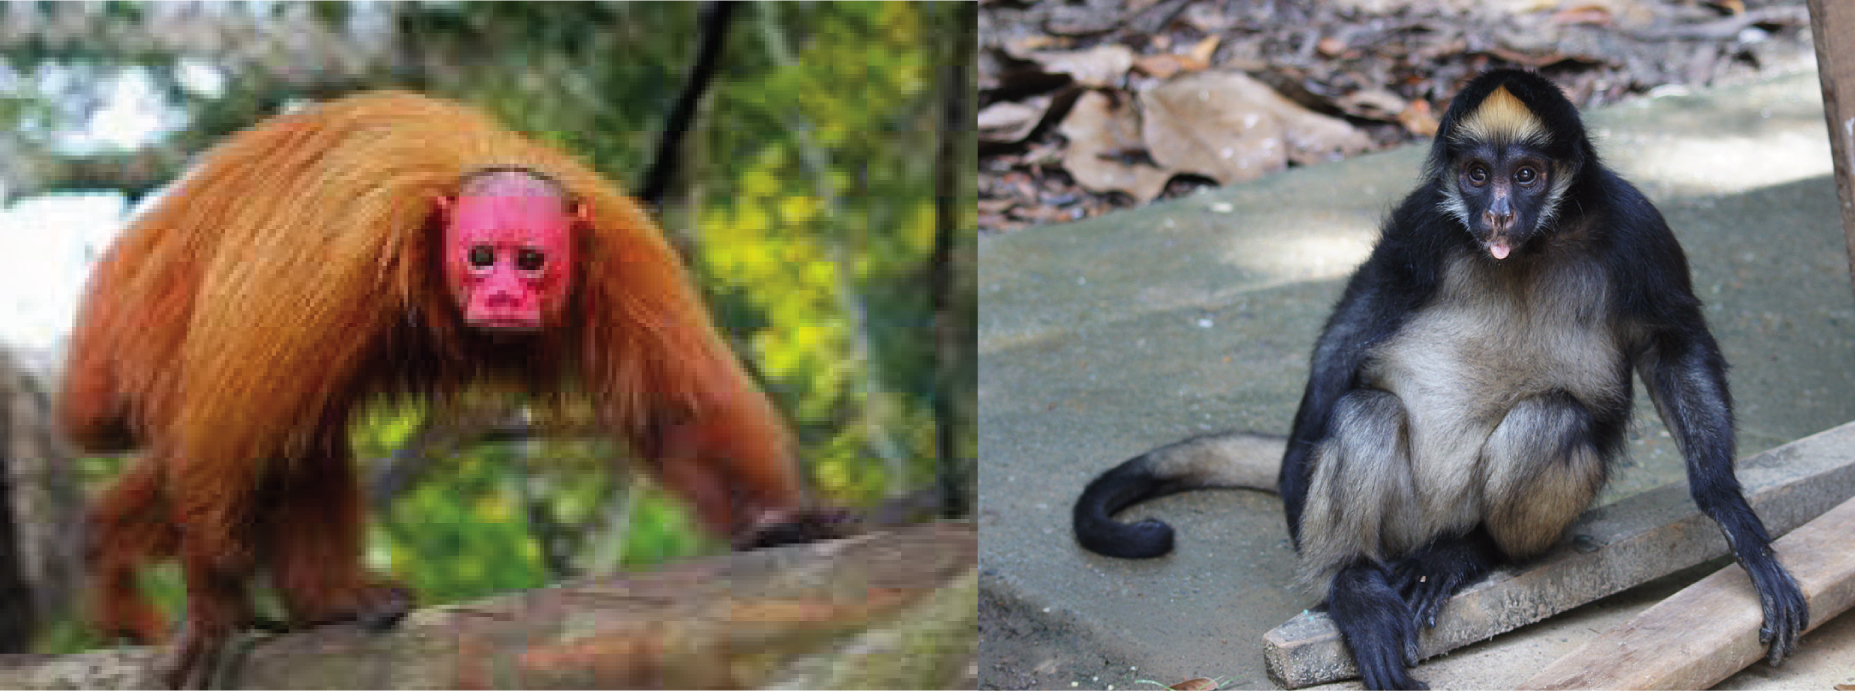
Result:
[1090,106]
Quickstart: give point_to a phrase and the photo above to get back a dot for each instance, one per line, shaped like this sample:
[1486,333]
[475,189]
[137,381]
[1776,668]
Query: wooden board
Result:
[1609,549]
[1709,630]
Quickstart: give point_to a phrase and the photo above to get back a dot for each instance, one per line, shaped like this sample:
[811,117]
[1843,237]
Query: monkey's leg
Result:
[720,506]
[216,560]
[128,528]
[737,488]
[1542,468]
[315,531]
[1359,507]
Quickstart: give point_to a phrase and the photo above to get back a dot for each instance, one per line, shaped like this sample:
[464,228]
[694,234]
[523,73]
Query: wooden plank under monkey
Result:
[1609,550]
[1709,630]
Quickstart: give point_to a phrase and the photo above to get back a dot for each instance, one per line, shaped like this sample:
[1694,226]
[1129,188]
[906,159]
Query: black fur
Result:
[1116,489]
[1376,624]
[1379,606]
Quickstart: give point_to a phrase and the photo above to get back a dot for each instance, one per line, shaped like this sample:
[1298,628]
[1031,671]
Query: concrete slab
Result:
[1102,339]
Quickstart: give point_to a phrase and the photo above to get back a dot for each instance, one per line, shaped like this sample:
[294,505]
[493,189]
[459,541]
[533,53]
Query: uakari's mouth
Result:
[506,324]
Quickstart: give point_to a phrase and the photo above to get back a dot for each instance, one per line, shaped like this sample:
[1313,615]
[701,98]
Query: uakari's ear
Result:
[583,214]
[443,203]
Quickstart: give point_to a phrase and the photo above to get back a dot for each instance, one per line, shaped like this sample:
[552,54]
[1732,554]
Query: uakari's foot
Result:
[377,607]
[793,527]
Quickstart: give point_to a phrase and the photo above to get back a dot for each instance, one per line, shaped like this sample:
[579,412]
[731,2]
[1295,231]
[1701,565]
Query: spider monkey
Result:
[1472,389]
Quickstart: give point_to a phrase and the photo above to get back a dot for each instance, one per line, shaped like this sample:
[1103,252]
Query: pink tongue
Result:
[1499,250]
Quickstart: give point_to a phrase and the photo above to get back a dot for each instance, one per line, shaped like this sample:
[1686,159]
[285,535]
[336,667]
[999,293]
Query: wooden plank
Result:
[1609,549]
[1832,22]
[1709,630]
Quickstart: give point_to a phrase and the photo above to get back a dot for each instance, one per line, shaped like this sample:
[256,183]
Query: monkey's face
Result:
[1504,195]
[1507,164]
[508,259]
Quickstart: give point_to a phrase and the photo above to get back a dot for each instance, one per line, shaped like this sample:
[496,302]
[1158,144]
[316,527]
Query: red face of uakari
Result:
[508,258]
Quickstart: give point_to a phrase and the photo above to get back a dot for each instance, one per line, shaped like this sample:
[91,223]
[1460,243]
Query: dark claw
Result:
[1782,603]
[267,625]
[189,662]
[1425,594]
[392,605]
[1380,671]
[795,528]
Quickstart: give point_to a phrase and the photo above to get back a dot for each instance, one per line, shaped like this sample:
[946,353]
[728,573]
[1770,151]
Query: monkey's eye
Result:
[1478,175]
[530,260]
[481,257]
[1526,175]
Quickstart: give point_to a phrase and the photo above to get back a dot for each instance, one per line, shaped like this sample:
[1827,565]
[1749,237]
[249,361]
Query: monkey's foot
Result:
[795,527]
[190,662]
[377,607]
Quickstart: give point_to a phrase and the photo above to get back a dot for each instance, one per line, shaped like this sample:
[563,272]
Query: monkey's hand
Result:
[1428,577]
[796,526]
[1425,592]
[1786,612]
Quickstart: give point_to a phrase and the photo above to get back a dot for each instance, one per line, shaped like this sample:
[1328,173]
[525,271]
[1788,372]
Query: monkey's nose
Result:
[1497,222]
[502,299]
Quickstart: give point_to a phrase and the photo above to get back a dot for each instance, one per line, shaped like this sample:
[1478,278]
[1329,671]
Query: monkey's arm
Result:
[1687,379]
[1681,365]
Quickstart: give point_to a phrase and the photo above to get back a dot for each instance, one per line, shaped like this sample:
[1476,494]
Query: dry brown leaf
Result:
[1198,684]
[1009,121]
[1215,124]
[1099,130]
[1203,50]
[1206,17]
[1596,15]
[1101,66]
[995,206]
[1232,128]
[1372,104]
[1023,46]
[1166,65]
[1418,119]
[1330,46]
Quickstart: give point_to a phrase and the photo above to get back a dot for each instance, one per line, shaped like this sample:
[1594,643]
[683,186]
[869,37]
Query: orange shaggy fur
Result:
[233,331]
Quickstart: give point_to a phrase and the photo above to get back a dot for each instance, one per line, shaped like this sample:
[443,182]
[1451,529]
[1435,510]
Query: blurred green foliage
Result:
[805,201]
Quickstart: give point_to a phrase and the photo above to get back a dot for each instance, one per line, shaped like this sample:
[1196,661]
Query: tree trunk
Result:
[889,609]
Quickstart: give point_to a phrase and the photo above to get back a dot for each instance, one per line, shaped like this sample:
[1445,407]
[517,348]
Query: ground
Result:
[1074,122]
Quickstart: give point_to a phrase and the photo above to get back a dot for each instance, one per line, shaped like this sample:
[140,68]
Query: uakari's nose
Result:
[502,298]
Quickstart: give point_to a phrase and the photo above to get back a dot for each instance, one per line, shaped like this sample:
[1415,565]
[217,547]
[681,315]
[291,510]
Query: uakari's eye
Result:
[481,256]
[1526,175]
[530,260]
[1478,174]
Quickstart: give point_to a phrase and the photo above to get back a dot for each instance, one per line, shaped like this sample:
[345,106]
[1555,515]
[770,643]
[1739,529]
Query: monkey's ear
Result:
[443,203]
[583,214]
